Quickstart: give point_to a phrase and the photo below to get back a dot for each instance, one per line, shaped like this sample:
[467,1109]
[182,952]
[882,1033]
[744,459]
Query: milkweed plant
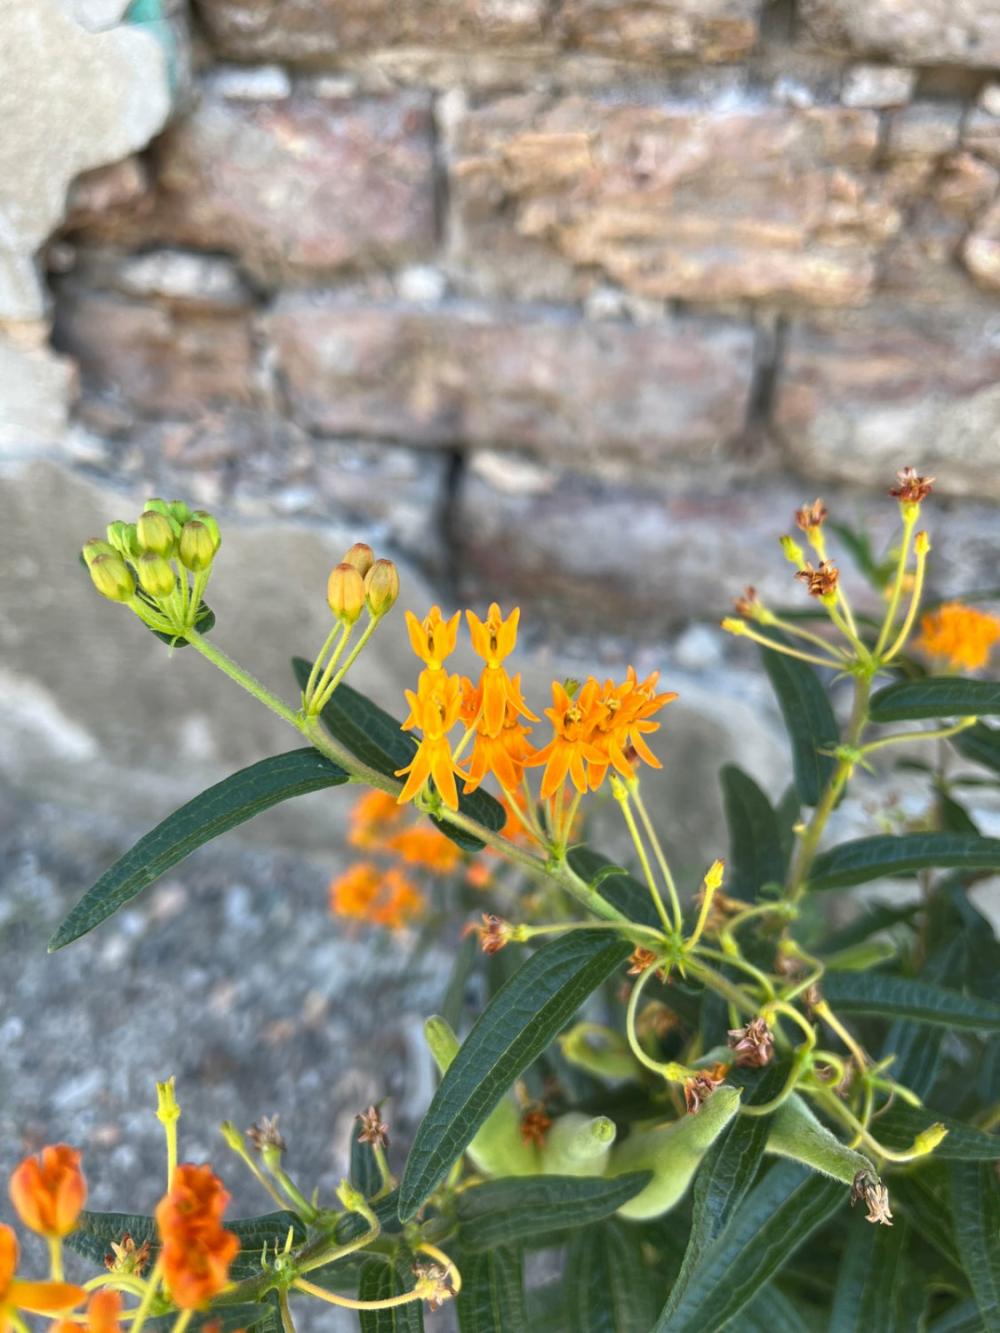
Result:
[709,1106]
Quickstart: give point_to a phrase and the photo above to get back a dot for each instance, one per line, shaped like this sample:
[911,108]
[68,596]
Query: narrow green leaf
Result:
[608,1287]
[755,851]
[961,1318]
[887,856]
[515,1028]
[728,1171]
[778,1216]
[867,1294]
[904,997]
[364,1172]
[453,1003]
[380,1281]
[527,1209]
[981,744]
[809,721]
[375,737]
[935,696]
[899,1126]
[95,1232]
[615,885]
[492,1295]
[771,1311]
[228,804]
[930,1216]
[975,1206]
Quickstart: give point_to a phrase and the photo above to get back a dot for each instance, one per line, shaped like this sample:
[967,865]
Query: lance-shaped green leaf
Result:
[492,1295]
[614,885]
[608,1287]
[243,1318]
[375,737]
[870,1281]
[379,1282]
[981,744]
[900,1124]
[729,1169]
[771,1311]
[529,1209]
[756,856]
[885,856]
[929,1215]
[809,721]
[228,804]
[975,1207]
[520,1021]
[935,696]
[905,997]
[961,1318]
[777,1216]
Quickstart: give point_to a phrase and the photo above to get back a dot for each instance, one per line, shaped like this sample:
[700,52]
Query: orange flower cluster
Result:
[365,892]
[197,1250]
[378,823]
[47,1298]
[596,727]
[49,1191]
[959,635]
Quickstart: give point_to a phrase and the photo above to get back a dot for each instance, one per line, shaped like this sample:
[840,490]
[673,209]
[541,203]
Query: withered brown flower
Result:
[910,488]
[811,516]
[700,1086]
[374,1130]
[821,582]
[867,1187]
[752,1045]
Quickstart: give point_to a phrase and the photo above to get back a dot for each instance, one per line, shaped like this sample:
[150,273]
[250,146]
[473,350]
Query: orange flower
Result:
[504,755]
[493,640]
[197,1251]
[433,638]
[399,903]
[425,847]
[49,1298]
[434,709]
[573,720]
[49,1191]
[373,818]
[353,892]
[959,634]
[619,732]
[104,1310]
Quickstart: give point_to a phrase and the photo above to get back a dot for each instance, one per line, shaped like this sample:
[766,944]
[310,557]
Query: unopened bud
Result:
[207,519]
[155,533]
[179,511]
[197,549]
[381,587]
[922,543]
[112,578]
[714,875]
[350,1198]
[345,593]
[155,575]
[168,1110]
[733,626]
[122,537]
[793,552]
[232,1136]
[95,547]
[928,1139]
[361,556]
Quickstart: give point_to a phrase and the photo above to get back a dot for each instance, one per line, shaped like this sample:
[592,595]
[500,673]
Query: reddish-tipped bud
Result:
[156,533]
[112,578]
[345,593]
[361,556]
[381,587]
[156,576]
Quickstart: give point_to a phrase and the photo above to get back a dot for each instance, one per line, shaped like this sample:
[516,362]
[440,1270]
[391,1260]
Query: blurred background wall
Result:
[567,301]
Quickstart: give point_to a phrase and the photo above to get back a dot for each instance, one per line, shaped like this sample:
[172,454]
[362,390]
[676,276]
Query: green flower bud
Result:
[112,578]
[381,587]
[361,556]
[600,1051]
[345,593]
[578,1145]
[123,538]
[156,575]
[796,1133]
[196,548]
[203,516]
[672,1152]
[497,1149]
[95,547]
[179,511]
[155,533]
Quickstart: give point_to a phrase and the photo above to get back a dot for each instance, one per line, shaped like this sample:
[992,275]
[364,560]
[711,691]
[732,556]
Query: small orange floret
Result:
[500,697]
[47,1298]
[197,1250]
[435,709]
[399,903]
[433,638]
[573,721]
[375,817]
[959,635]
[49,1191]
[104,1310]
[425,847]
[353,893]
[381,898]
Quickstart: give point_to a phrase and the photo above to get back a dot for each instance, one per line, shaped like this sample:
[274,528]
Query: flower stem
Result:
[658,852]
[902,736]
[909,523]
[621,795]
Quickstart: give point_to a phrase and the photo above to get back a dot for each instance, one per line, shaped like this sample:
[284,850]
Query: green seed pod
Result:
[156,533]
[578,1145]
[156,575]
[203,516]
[196,548]
[600,1051]
[796,1133]
[95,547]
[497,1149]
[123,538]
[112,578]
[672,1152]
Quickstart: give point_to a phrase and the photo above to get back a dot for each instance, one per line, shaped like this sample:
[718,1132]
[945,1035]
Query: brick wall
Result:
[564,293]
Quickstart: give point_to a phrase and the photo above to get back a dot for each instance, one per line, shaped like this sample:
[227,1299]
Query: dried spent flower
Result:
[640,960]
[749,604]
[821,582]
[374,1130]
[911,489]
[811,516]
[127,1257]
[867,1187]
[535,1124]
[752,1045]
[493,934]
[265,1134]
[434,1284]
[701,1085]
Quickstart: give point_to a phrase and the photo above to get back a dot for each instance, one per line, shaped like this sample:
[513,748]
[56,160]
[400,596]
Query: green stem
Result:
[152,1282]
[658,852]
[235,672]
[338,628]
[909,523]
[915,600]
[738,961]
[621,795]
[814,658]
[182,1321]
[287,1323]
[902,736]
[325,691]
